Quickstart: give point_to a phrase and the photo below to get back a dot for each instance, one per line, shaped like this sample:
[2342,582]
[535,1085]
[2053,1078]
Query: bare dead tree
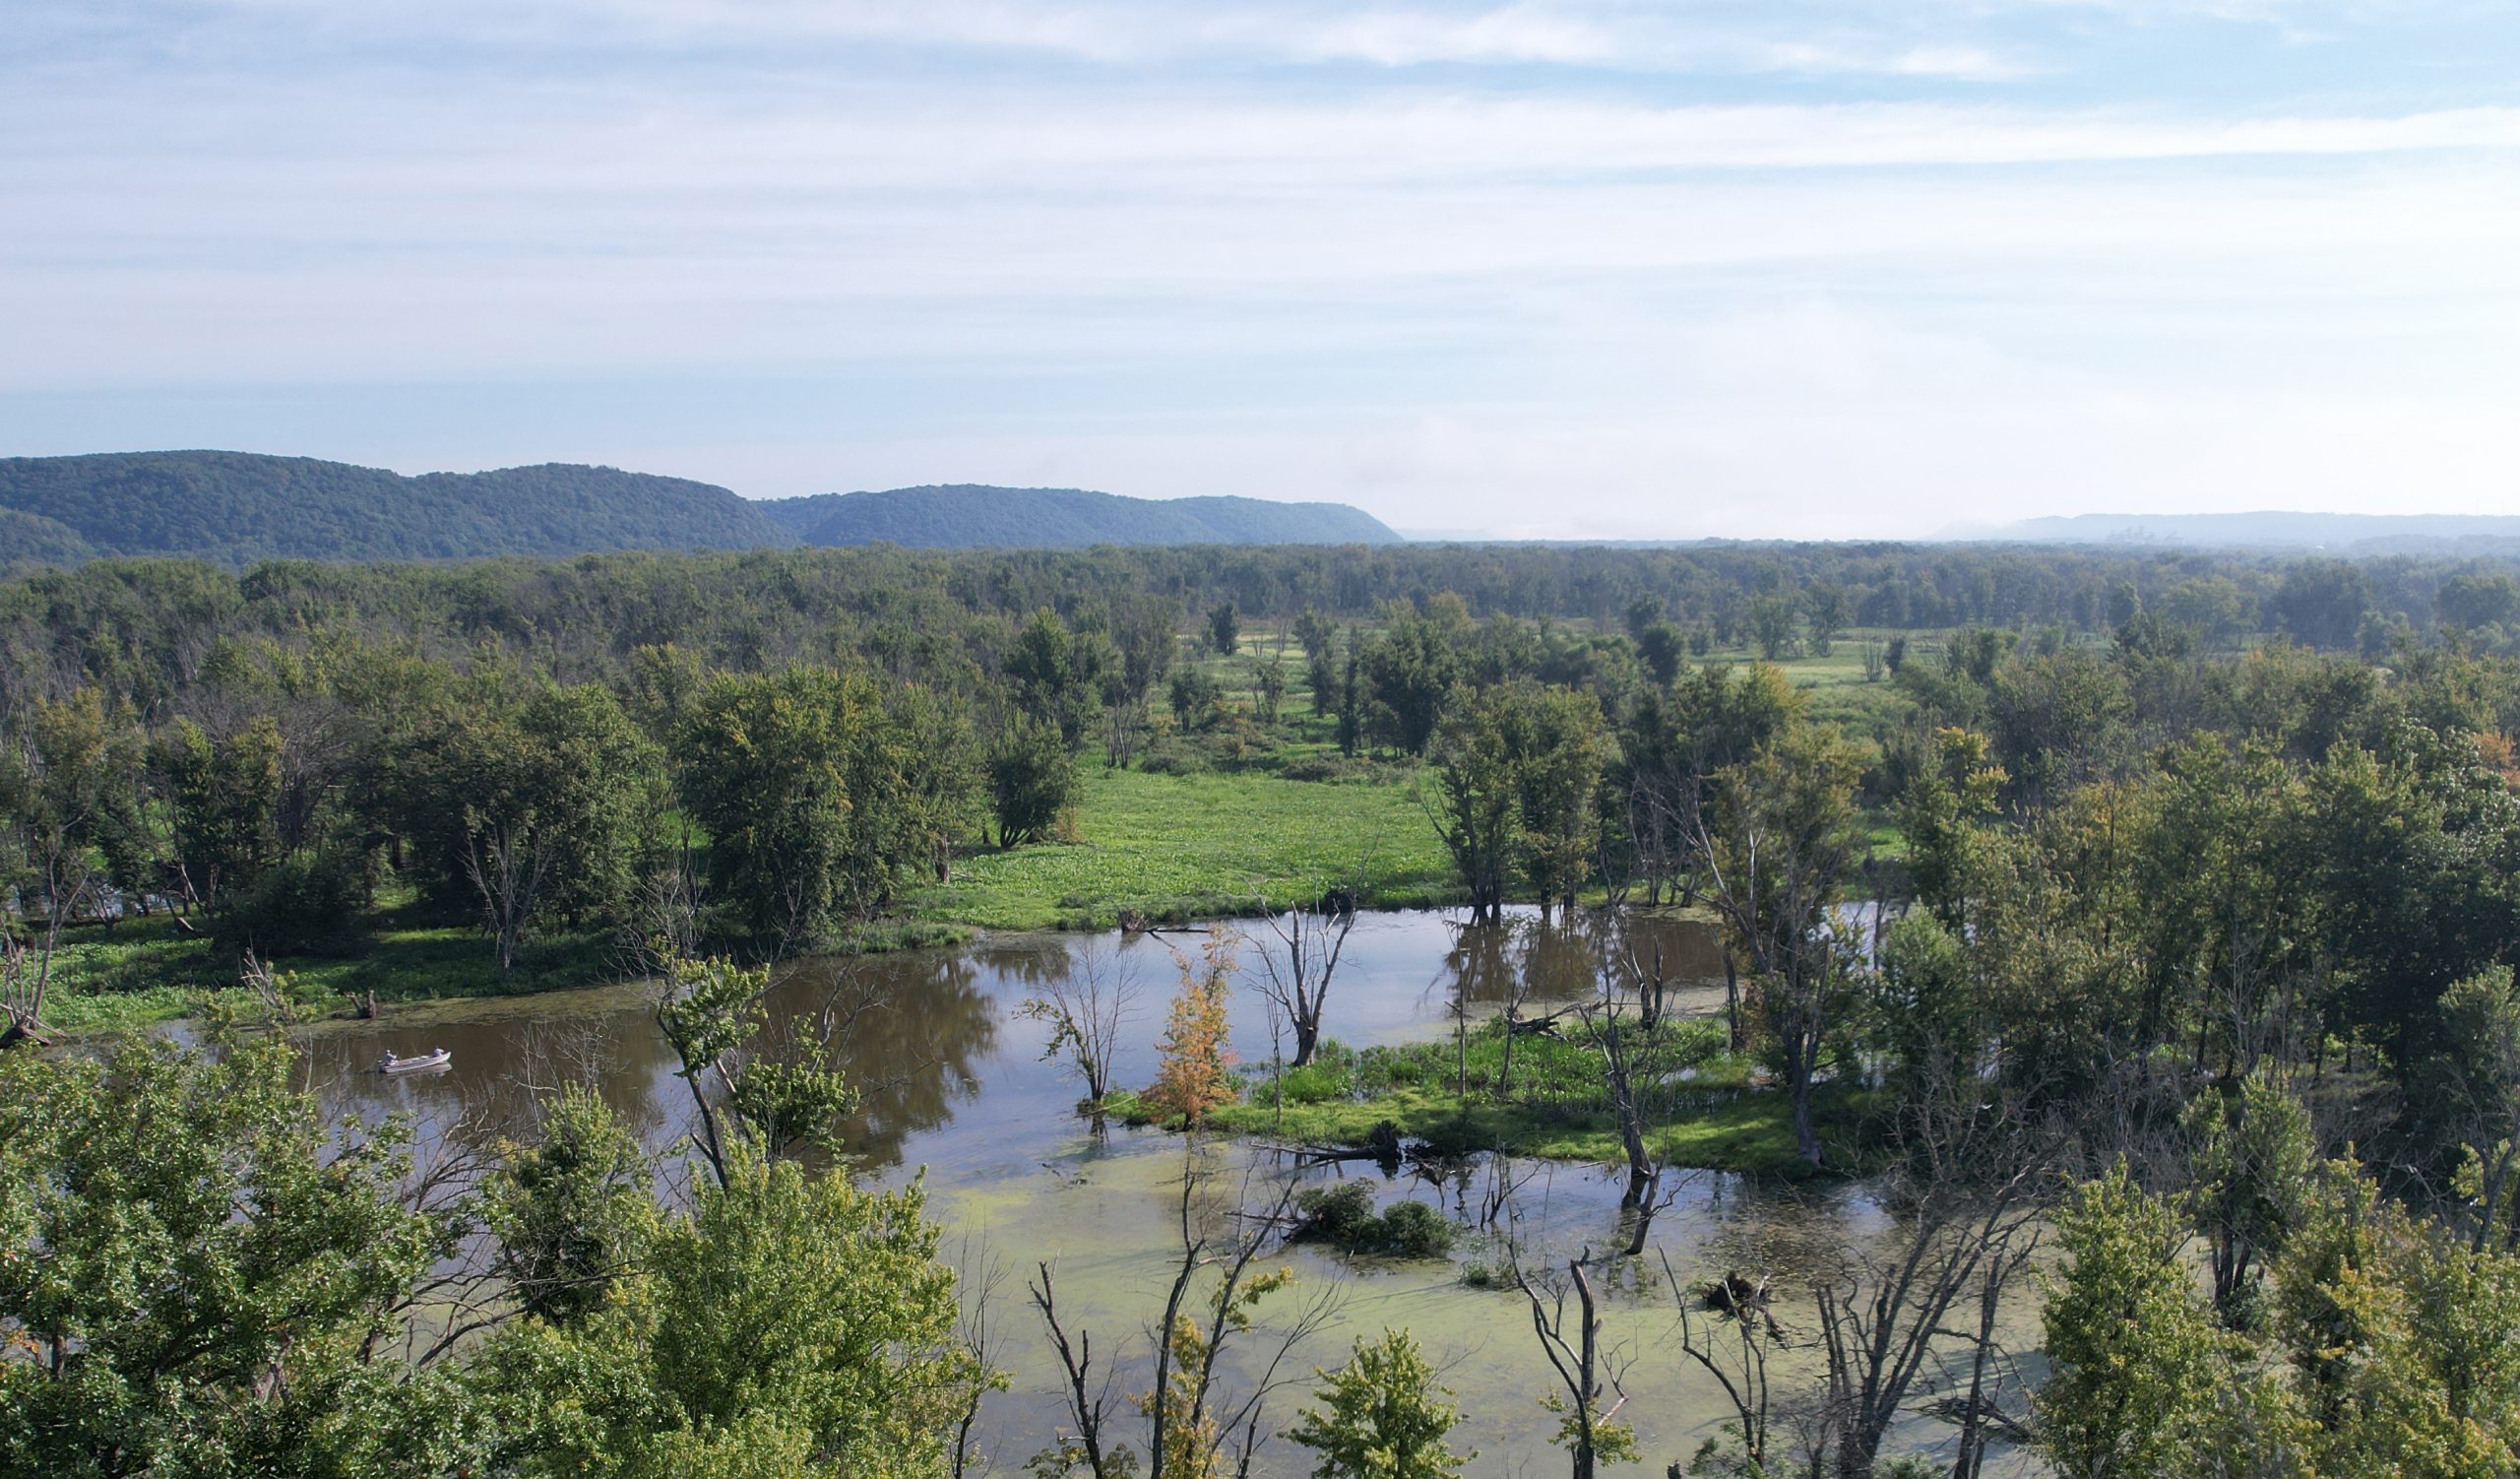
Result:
[507,862]
[1965,1192]
[982,1277]
[1978,1413]
[69,884]
[22,992]
[664,924]
[1622,1046]
[1087,1009]
[1091,1401]
[1730,1332]
[1192,1420]
[1588,1378]
[1296,971]
[268,990]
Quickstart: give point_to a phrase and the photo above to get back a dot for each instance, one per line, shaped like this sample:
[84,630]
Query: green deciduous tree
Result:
[1381,1416]
[1516,787]
[198,1273]
[571,1209]
[2250,1159]
[789,1324]
[1032,782]
[2136,1359]
[1408,672]
[225,798]
[1775,850]
[816,795]
[712,1011]
[530,809]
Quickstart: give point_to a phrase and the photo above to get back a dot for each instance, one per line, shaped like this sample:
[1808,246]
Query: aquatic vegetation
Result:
[1344,1217]
[1488,1088]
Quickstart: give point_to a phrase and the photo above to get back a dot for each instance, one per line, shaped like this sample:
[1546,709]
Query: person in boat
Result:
[395,1063]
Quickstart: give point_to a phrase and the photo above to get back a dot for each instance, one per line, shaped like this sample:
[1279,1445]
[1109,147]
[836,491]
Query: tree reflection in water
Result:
[907,1029]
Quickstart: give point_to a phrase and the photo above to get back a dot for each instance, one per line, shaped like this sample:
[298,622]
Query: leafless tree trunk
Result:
[1585,1376]
[980,1277]
[1730,1338]
[507,864]
[1190,1420]
[1295,973]
[1086,1009]
[1615,1042]
[1967,1221]
[68,883]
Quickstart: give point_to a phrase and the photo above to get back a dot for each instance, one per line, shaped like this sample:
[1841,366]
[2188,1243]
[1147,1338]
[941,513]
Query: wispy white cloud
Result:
[1834,266]
[1811,37]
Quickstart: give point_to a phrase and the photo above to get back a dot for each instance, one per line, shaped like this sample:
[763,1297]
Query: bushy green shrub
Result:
[1344,1217]
[1330,1077]
[1172,757]
[305,902]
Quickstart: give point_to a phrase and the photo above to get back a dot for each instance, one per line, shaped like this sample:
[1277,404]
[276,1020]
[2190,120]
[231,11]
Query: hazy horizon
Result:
[1579,269]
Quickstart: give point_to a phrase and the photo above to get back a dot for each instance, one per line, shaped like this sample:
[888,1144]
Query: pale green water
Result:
[956,1091]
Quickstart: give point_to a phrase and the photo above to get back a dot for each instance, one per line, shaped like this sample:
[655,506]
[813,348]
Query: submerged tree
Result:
[1298,966]
[1086,1005]
[1588,1394]
[1196,1426]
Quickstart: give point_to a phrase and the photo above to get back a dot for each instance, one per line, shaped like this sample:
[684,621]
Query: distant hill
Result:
[34,540]
[2271,528]
[968,515]
[238,507]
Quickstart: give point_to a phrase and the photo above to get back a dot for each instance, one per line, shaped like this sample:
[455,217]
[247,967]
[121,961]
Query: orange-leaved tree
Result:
[1192,1079]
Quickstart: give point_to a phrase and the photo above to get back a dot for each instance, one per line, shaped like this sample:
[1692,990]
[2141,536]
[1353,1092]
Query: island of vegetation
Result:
[2131,931]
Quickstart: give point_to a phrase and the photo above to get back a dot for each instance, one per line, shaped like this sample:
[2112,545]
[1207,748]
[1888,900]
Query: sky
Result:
[1565,268]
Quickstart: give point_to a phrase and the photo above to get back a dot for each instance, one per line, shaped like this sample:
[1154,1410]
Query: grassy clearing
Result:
[154,970]
[150,970]
[1703,1112]
[1176,847]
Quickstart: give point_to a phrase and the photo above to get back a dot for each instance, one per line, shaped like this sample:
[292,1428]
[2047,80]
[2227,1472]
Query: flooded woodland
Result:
[960,1093]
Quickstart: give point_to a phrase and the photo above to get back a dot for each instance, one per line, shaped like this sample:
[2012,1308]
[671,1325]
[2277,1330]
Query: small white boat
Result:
[435,1057]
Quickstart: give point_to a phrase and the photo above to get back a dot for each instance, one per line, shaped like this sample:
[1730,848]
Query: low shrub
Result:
[1344,1217]
[1173,757]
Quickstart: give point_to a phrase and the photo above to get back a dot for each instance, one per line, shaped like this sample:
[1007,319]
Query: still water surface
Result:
[957,1093]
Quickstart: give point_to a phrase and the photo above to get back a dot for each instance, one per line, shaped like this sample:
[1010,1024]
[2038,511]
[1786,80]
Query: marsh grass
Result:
[1197,846]
[152,969]
[1704,1113]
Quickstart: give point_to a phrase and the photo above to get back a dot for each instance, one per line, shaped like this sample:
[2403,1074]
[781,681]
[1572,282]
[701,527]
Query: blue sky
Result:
[1567,267]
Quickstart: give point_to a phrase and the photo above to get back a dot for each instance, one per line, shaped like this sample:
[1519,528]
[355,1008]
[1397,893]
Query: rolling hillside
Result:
[968,515]
[238,507]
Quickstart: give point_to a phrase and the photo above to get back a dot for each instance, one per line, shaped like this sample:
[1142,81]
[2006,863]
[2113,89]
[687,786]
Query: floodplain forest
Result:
[2129,936]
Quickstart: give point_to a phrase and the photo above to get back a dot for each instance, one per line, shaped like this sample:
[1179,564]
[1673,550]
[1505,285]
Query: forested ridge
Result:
[969,516]
[2138,928]
[236,507]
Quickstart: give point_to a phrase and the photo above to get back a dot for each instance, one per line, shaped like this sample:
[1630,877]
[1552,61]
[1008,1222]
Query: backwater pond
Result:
[957,1092]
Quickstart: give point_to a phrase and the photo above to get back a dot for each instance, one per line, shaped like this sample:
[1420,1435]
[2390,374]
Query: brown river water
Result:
[955,1093]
